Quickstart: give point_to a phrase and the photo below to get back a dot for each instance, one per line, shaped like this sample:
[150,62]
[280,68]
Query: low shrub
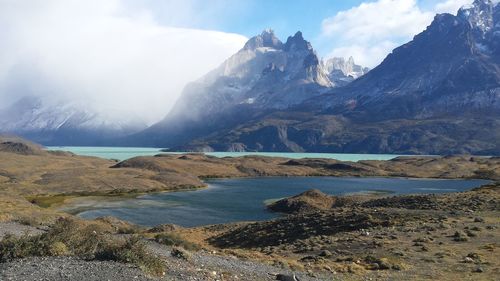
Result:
[90,241]
[180,253]
[12,247]
[134,251]
[171,239]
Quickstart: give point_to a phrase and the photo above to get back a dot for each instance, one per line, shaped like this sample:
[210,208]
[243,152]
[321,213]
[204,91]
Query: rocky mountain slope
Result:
[264,76]
[451,68]
[438,94]
[63,123]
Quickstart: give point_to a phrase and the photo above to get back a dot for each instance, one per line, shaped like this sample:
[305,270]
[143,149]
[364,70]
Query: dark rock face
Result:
[297,43]
[19,148]
[451,68]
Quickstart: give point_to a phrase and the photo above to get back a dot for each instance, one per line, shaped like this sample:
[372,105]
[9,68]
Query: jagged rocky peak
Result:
[266,74]
[479,14]
[346,67]
[342,71]
[297,43]
[266,39]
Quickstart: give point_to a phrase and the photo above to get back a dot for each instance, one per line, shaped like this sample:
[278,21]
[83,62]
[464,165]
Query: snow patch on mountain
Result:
[32,114]
[342,71]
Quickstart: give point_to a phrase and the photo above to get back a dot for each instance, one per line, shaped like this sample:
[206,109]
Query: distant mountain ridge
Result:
[63,123]
[451,68]
[438,94]
[342,71]
[264,76]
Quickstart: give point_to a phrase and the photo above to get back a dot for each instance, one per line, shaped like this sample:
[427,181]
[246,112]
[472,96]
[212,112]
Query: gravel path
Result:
[207,266]
[68,269]
[17,229]
[200,266]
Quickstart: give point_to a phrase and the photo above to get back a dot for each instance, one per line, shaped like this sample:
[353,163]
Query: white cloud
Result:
[450,6]
[371,30]
[102,52]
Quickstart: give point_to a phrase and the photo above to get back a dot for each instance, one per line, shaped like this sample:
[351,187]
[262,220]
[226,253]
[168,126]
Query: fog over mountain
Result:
[103,56]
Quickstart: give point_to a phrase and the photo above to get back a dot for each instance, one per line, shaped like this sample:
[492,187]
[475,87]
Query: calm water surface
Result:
[122,153]
[230,200]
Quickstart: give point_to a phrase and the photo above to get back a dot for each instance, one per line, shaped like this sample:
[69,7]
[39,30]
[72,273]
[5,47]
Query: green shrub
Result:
[180,253]
[12,247]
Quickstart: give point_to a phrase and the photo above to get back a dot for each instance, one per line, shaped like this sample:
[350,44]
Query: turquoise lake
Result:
[122,153]
[231,200]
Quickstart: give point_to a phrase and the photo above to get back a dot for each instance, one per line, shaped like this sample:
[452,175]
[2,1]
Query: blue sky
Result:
[250,17]
[285,17]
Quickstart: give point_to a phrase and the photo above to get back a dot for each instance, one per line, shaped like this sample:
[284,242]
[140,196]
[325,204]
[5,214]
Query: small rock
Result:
[470,233]
[468,260]
[325,253]
[478,269]
[460,236]
[396,267]
[181,253]
[283,277]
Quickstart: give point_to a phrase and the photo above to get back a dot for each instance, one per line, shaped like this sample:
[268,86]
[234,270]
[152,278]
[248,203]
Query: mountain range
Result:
[437,94]
[62,122]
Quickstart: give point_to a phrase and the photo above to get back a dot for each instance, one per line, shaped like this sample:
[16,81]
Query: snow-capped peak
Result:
[32,114]
[342,71]
[266,73]
[479,14]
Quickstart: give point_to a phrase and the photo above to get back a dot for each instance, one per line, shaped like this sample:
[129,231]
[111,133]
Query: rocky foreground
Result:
[454,236]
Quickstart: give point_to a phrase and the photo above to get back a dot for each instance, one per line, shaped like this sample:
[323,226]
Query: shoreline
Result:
[59,202]
[55,181]
[80,204]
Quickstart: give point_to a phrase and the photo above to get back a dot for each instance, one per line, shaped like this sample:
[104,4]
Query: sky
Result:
[135,57]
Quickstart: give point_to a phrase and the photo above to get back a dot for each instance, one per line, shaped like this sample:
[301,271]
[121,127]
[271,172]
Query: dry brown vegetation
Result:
[94,240]
[31,177]
[442,237]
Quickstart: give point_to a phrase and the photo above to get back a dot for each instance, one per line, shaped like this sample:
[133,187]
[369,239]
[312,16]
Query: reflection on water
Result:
[229,200]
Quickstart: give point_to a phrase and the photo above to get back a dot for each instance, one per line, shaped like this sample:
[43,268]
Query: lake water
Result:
[122,153]
[230,200]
